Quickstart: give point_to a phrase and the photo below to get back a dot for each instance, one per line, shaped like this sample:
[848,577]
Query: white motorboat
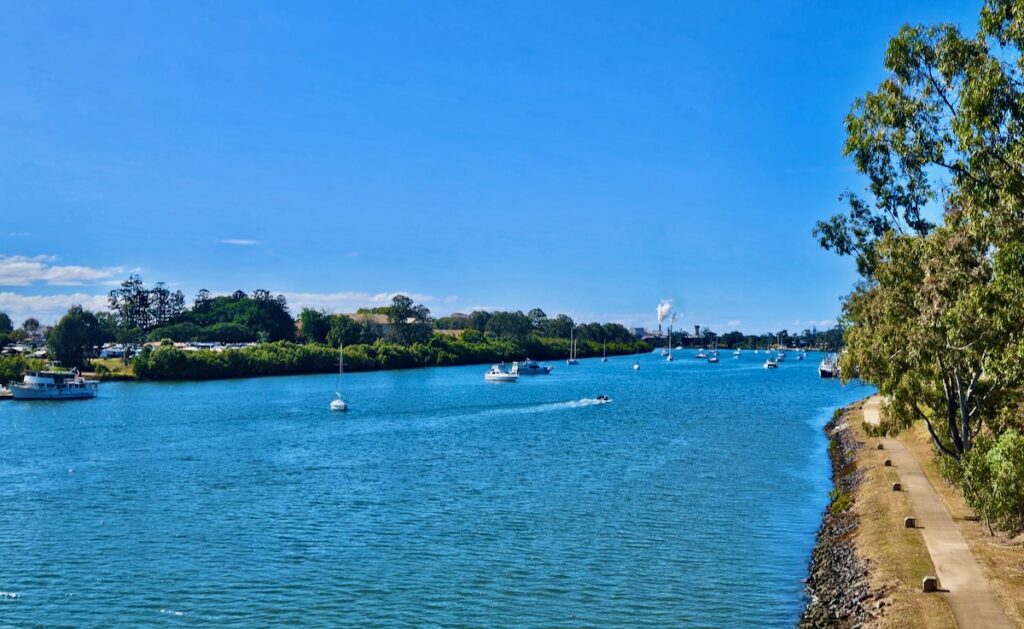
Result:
[497,374]
[338,404]
[829,367]
[54,385]
[713,358]
[701,355]
[533,368]
[771,364]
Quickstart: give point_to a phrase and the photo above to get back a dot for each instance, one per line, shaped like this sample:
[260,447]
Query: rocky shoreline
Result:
[837,588]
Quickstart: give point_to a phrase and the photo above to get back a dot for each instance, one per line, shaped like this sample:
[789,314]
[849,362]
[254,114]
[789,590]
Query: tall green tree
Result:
[74,337]
[314,324]
[936,321]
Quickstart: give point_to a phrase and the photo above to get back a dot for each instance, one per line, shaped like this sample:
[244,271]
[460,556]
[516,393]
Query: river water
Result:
[692,499]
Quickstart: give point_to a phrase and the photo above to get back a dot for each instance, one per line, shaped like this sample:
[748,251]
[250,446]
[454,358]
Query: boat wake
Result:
[550,406]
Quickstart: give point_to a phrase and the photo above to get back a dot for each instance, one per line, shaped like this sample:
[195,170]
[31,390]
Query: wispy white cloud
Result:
[239,242]
[24,270]
[19,234]
[733,323]
[47,308]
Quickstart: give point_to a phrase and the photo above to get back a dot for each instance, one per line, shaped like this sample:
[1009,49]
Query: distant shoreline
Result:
[168,363]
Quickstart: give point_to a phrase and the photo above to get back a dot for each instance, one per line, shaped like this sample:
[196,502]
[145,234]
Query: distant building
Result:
[638,332]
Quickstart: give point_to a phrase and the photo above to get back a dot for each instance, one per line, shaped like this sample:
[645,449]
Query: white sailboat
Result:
[604,352]
[668,346]
[572,348]
[338,404]
[636,363]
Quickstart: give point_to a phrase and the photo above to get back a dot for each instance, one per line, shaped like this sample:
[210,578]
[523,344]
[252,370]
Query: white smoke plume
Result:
[664,308]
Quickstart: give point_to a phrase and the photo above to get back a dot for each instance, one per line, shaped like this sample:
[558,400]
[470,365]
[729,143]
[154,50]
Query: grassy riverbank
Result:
[285,358]
[867,568]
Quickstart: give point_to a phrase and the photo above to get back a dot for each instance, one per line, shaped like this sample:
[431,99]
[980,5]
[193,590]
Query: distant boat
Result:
[338,404]
[636,363]
[736,352]
[700,355]
[572,348]
[604,351]
[771,364]
[533,368]
[714,353]
[497,374]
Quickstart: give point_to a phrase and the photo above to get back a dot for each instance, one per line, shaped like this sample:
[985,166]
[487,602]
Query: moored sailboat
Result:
[339,404]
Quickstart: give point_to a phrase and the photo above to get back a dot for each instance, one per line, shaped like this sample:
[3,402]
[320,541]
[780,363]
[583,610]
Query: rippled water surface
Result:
[439,499]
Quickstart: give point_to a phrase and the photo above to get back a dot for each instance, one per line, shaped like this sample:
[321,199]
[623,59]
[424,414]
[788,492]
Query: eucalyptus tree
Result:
[936,323]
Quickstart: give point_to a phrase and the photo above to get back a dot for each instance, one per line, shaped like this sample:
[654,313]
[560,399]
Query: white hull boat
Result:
[54,385]
[533,368]
[497,374]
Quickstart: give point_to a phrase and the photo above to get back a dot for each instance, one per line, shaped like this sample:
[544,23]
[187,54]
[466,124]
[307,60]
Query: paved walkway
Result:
[871,407]
[972,600]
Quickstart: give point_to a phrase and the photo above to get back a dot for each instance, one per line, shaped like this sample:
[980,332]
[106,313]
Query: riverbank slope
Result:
[866,569]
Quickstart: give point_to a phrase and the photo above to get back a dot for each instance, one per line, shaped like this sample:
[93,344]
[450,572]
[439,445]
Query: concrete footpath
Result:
[970,596]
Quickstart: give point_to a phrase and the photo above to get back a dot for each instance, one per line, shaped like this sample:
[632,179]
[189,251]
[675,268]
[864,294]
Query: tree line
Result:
[935,320]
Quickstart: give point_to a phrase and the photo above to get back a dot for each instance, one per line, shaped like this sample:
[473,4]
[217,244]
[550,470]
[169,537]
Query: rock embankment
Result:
[838,588]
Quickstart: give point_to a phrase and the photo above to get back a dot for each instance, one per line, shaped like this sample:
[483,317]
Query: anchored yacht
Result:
[497,374]
[533,368]
[54,385]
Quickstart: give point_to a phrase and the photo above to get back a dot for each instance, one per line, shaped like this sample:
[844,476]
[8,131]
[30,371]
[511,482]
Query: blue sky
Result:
[587,158]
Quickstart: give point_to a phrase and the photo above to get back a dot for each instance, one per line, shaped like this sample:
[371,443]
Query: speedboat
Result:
[713,358]
[54,385]
[497,374]
[533,368]
[771,364]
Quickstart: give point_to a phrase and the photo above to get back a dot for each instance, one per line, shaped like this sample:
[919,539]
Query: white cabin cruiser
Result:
[829,367]
[54,385]
[497,374]
[533,368]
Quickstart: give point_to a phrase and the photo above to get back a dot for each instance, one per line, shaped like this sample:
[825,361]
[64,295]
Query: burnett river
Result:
[438,500]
